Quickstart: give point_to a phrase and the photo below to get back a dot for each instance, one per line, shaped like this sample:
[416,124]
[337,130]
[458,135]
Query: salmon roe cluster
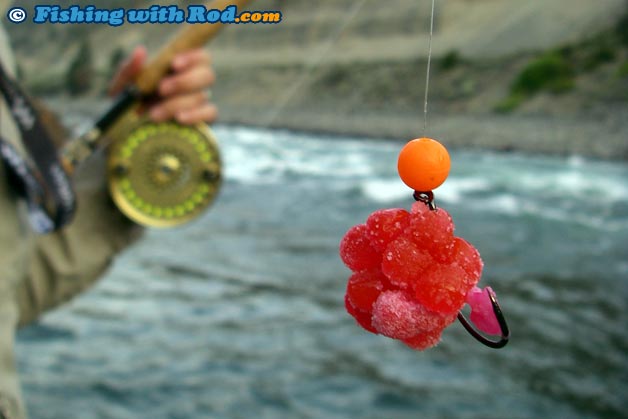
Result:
[411,275]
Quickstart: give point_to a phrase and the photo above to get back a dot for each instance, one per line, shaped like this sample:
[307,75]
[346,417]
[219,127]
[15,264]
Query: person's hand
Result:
[182,94]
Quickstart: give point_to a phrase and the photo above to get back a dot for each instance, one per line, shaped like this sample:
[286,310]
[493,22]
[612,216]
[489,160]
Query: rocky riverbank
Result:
[604,137]
[359,68]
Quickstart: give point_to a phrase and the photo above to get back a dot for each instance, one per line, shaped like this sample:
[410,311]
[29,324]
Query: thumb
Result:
[128,70]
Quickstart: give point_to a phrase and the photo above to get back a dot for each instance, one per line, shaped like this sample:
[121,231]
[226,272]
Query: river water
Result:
[240,314]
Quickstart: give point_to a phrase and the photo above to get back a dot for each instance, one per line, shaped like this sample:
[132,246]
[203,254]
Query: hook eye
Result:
[426,197]
[503,326]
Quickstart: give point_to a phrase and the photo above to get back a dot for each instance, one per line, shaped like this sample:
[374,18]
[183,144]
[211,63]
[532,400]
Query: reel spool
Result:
[164,175]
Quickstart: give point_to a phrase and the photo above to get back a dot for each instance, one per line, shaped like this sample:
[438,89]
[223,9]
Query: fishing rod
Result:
[159,174]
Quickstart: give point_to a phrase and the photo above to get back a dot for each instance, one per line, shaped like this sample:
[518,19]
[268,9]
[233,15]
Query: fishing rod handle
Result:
[190,37]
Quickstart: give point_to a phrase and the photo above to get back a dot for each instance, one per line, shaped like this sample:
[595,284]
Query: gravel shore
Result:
[605,138]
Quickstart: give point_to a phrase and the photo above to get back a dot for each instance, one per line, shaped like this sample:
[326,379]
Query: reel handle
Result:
[190,37]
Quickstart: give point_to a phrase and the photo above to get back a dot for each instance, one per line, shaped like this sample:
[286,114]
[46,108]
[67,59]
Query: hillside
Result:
[359,67]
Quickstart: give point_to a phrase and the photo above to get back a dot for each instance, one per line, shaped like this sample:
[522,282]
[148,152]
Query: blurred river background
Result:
[240,314]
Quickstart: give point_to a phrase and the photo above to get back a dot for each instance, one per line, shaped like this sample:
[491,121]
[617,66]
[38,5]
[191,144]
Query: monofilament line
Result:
[427,75]
[316,59]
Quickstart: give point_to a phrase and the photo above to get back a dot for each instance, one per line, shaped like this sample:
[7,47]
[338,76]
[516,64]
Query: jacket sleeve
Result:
[12,252]
[10,395]
[67,262]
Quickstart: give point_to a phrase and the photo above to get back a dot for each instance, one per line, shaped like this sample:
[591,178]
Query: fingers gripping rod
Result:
[191,36]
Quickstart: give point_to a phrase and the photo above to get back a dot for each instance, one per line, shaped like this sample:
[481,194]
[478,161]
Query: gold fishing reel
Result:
[163,174]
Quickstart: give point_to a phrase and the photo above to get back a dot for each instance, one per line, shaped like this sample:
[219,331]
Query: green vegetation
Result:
[600,54]
[623,70]
[551,72]
[117,56]
[555,71]
[450,60]
[622,29]
[107,74]
[510,103]
[80,74]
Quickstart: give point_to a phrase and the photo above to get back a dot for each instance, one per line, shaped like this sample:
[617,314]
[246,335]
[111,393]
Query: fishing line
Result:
[427,75]
[314,63]
[381,253]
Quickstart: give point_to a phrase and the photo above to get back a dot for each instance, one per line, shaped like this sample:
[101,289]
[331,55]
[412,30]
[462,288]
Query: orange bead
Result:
[423,164]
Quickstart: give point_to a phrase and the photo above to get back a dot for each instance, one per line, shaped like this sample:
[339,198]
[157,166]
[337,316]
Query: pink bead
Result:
[482,314]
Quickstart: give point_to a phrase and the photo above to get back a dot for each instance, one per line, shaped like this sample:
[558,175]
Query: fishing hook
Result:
[503,326]
[428,199]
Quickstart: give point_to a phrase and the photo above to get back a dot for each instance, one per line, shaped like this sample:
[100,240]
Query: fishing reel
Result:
[159,174]
[162,174]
